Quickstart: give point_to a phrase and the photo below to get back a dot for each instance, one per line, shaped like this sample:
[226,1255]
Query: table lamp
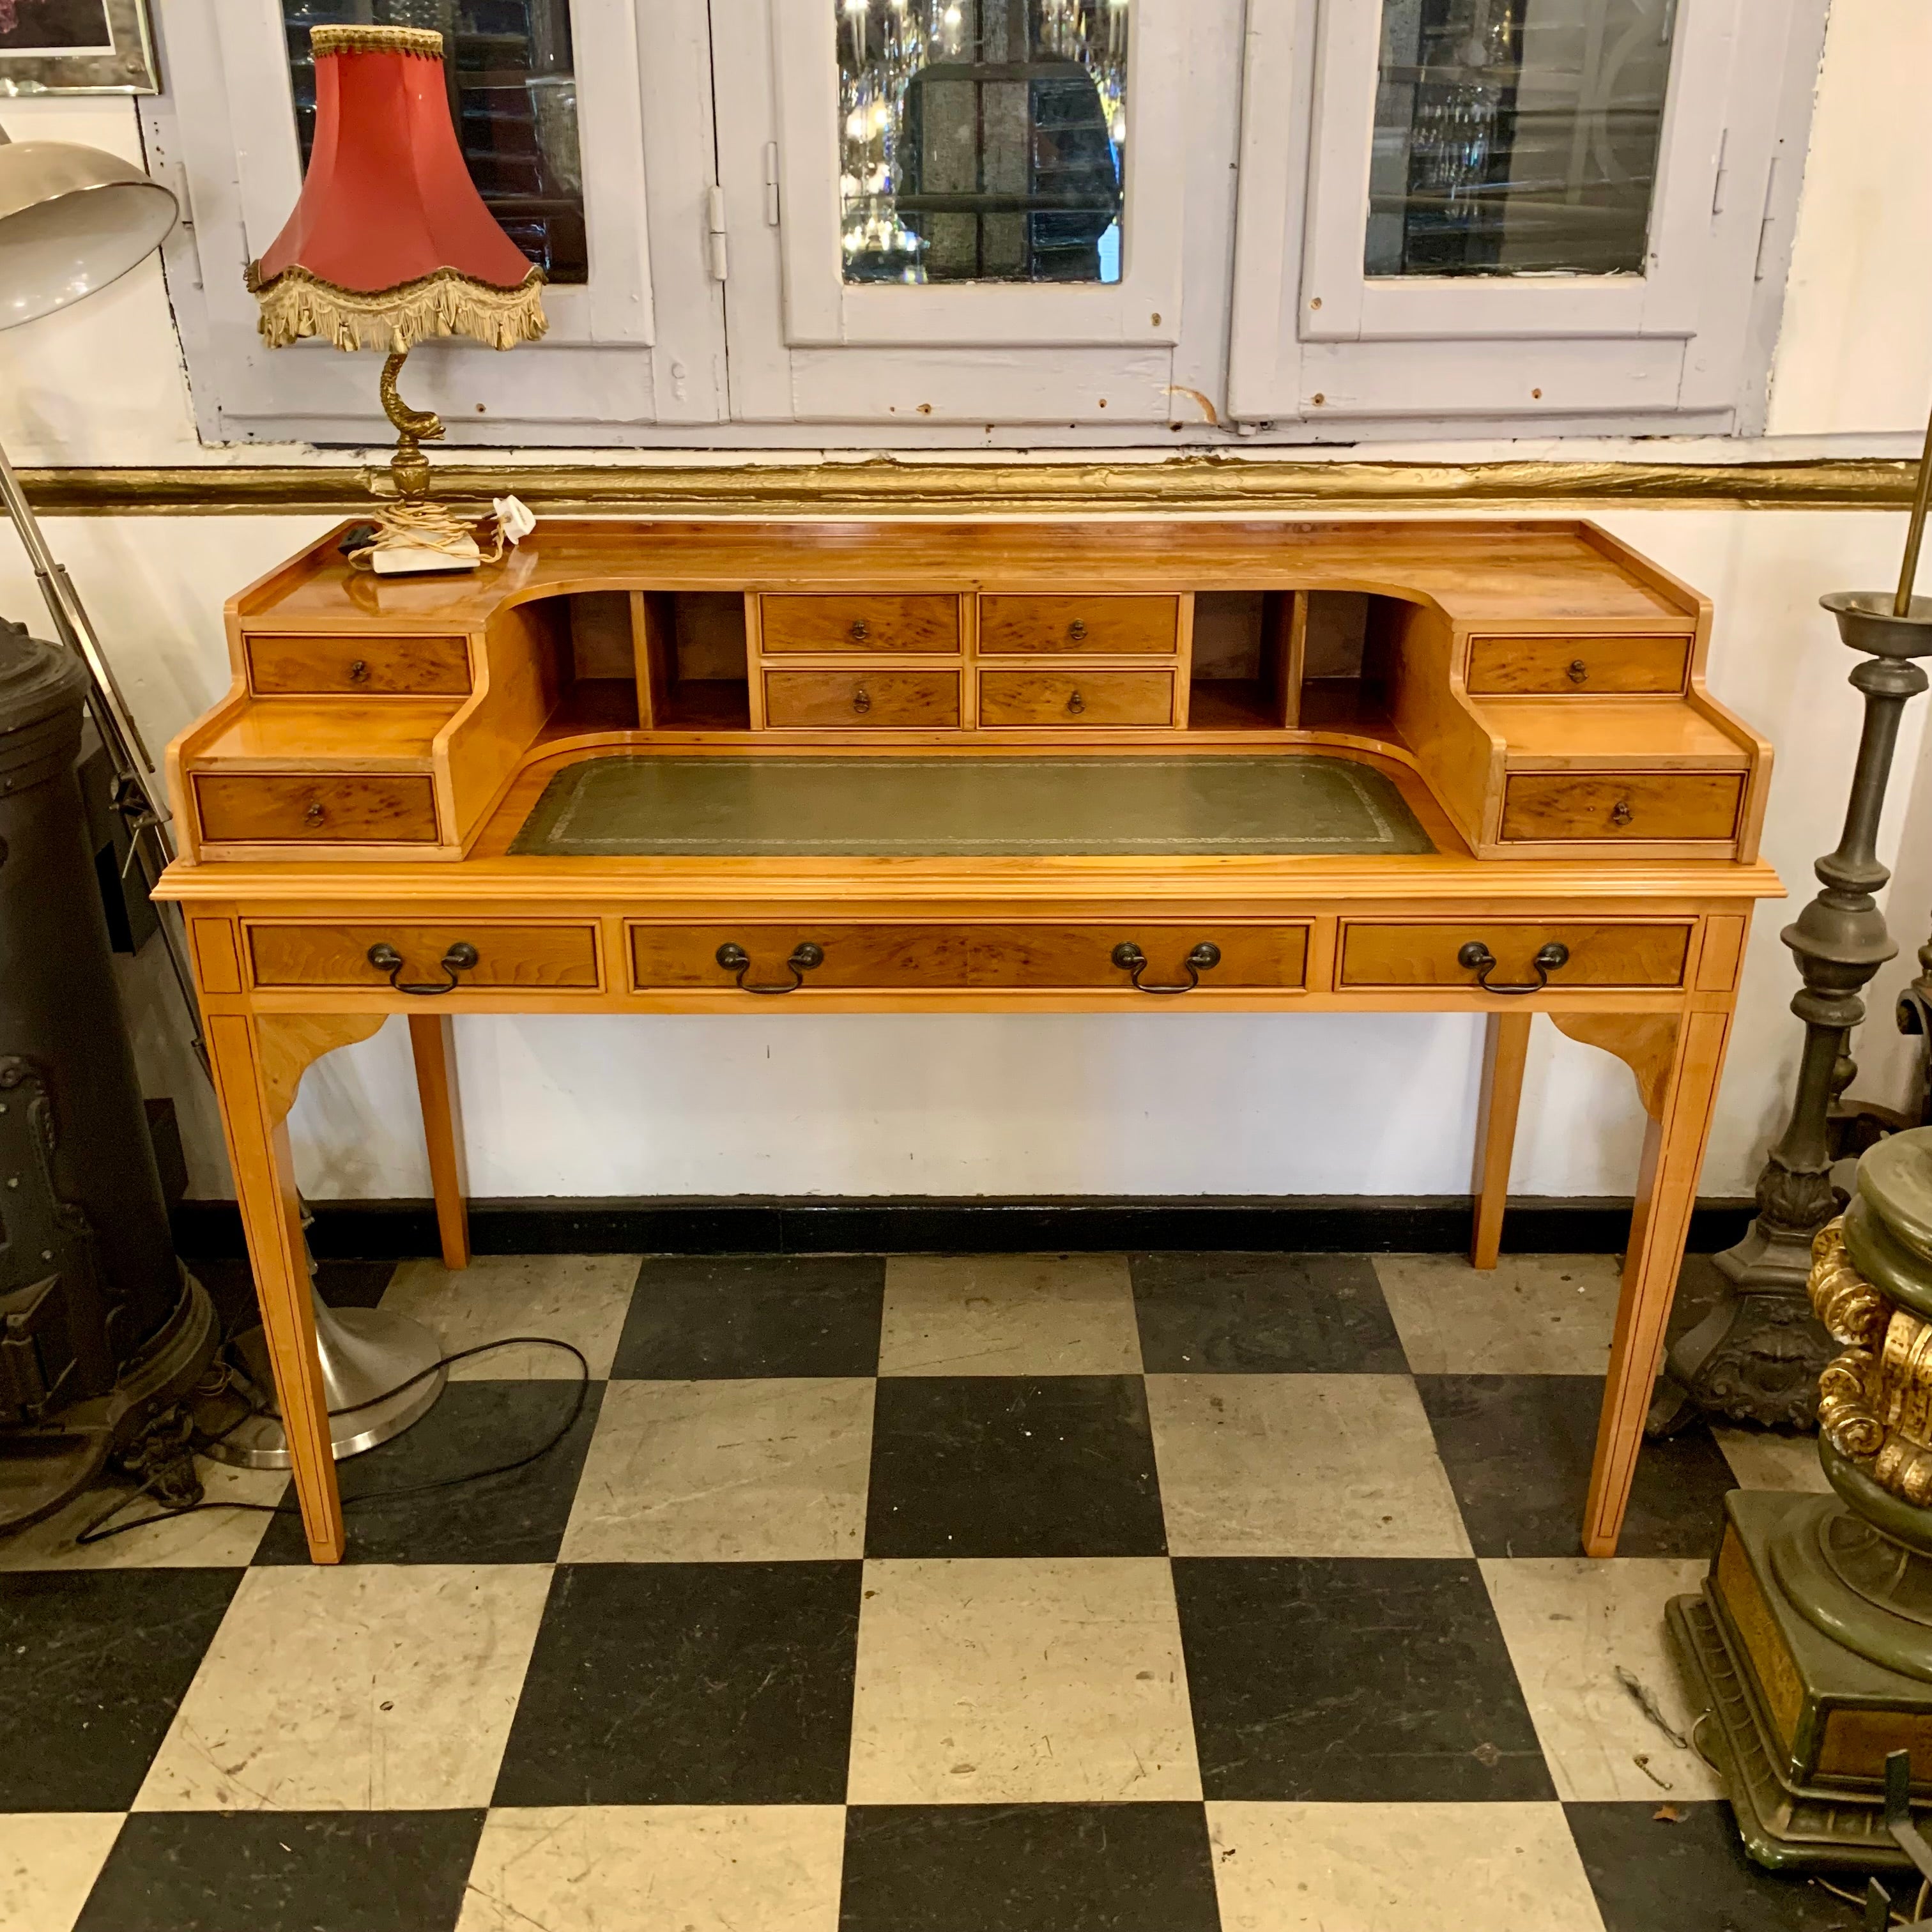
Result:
[390,245]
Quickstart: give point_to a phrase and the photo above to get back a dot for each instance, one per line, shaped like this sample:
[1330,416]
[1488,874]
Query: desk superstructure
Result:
[373,821]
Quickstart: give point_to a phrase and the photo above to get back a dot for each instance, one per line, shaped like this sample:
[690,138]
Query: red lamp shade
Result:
[390,244]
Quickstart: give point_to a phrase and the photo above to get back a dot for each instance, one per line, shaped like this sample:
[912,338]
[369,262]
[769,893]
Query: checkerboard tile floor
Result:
[1158,1593]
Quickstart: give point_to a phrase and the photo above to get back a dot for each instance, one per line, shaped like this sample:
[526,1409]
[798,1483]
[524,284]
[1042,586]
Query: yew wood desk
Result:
[1087,767]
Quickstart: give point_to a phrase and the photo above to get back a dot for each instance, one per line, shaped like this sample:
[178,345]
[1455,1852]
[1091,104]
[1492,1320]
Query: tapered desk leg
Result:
[432,1043]
[254,1109]
[1505,1053]
[1681,1102]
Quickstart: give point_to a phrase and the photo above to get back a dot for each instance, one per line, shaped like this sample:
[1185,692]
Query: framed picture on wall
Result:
[77,46]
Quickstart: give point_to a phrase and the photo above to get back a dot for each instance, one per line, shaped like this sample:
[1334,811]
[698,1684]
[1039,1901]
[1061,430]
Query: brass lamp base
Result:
[409,467]
[1796,1724]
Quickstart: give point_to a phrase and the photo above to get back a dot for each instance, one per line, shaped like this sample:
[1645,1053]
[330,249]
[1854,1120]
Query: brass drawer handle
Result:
[315,815]
[805,956]
[457,960]
[1130,959]
[358,671]
[1076,703]
[860,630]
[1481,960]
[1579,672]
[1621,813]
[862,701]
[1077,630]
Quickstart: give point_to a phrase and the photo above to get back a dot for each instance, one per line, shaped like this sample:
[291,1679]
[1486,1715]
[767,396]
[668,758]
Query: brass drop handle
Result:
[358,671]
[315,815]
[1621,813]
[1580,672]
[460,958]
[861,630]
[862,701]
[1077,630]
[1478,959]
[1130,959]
[1075,703]
[804,957]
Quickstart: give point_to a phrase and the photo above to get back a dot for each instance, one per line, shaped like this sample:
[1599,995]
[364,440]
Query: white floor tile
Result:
[49,1861]
[578,1298]
[1009,1315]
[1531,1315]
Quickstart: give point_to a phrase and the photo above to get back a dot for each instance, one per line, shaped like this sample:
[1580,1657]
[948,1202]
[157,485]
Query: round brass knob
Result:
[1620,812]
[1579,672]
[359,671]
[314,816]
[1076,630]
[861,700]
[861,630]
[1075,702]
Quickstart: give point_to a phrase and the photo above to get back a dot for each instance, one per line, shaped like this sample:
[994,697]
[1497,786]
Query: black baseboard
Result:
[751,1224]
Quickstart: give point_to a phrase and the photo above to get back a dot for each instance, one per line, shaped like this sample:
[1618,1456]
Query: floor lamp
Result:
[73,219]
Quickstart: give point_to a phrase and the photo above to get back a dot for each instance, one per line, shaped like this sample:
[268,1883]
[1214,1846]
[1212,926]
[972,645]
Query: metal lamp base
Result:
[364,1351]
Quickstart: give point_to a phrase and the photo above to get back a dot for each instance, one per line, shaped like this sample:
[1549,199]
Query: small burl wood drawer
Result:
[317,808]
[1446,956]
[358,667]
[1634,804]
[1148,626]
[1586,667]
[908,700]
[560,958]
[769,959]
[1076,697]
[928,625]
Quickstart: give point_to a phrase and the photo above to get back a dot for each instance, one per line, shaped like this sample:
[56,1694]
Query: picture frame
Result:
[77,46]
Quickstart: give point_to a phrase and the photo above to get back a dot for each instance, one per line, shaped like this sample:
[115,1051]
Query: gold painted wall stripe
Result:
[887,486]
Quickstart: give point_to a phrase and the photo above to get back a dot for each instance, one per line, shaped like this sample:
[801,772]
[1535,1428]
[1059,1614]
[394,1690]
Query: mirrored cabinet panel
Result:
[1516,136]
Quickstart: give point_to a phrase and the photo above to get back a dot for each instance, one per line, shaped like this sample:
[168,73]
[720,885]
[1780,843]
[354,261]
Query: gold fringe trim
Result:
[424,42]
[296,303]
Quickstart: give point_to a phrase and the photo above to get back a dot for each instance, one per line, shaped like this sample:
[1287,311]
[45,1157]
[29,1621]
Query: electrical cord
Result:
[103,1526]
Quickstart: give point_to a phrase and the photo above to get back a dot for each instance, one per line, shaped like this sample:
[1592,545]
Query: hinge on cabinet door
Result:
[714,235]
[1723,175]
[1764,226]
[771,184]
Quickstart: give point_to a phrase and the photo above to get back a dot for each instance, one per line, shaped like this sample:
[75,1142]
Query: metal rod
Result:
[1914,533]
[139,803]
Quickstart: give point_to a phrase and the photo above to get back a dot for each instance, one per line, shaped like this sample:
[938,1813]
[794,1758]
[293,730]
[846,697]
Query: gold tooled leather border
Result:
[889,486]
[425,42]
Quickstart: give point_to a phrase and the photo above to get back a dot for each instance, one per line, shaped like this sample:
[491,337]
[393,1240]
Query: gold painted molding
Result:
[890,486]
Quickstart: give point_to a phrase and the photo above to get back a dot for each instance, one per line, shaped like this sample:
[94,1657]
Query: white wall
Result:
[1152,1103]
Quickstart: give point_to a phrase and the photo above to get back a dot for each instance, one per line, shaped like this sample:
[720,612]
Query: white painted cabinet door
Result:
[638,345]
[815,336]
[1324,332]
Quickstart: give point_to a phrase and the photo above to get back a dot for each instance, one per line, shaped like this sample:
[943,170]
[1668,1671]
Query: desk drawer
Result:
[862,700]
[358,667]
[316,808]
[537,958]
[1149,626]
[951,958]
[1582,667]
[1635,804]
[921,624]
[1427,955]
[1076,697]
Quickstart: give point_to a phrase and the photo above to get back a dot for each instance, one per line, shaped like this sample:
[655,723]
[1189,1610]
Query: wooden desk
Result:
[1531,693]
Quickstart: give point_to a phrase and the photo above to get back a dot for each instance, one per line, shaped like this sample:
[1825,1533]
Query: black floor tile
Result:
[353,1284]
[92,1666]
[1028,1868]
[1650,1875]
[1011,1465]
[516,1518]
[1361,1680]
[757,1314]
[1264,1314]
[285,1871]
[688,1684]
[1518,1451]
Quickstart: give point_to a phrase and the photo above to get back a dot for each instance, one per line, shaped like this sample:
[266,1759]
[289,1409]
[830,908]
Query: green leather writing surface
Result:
[1289,803]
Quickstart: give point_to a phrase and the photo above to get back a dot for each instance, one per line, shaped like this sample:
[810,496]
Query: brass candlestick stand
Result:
[1757,1357]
